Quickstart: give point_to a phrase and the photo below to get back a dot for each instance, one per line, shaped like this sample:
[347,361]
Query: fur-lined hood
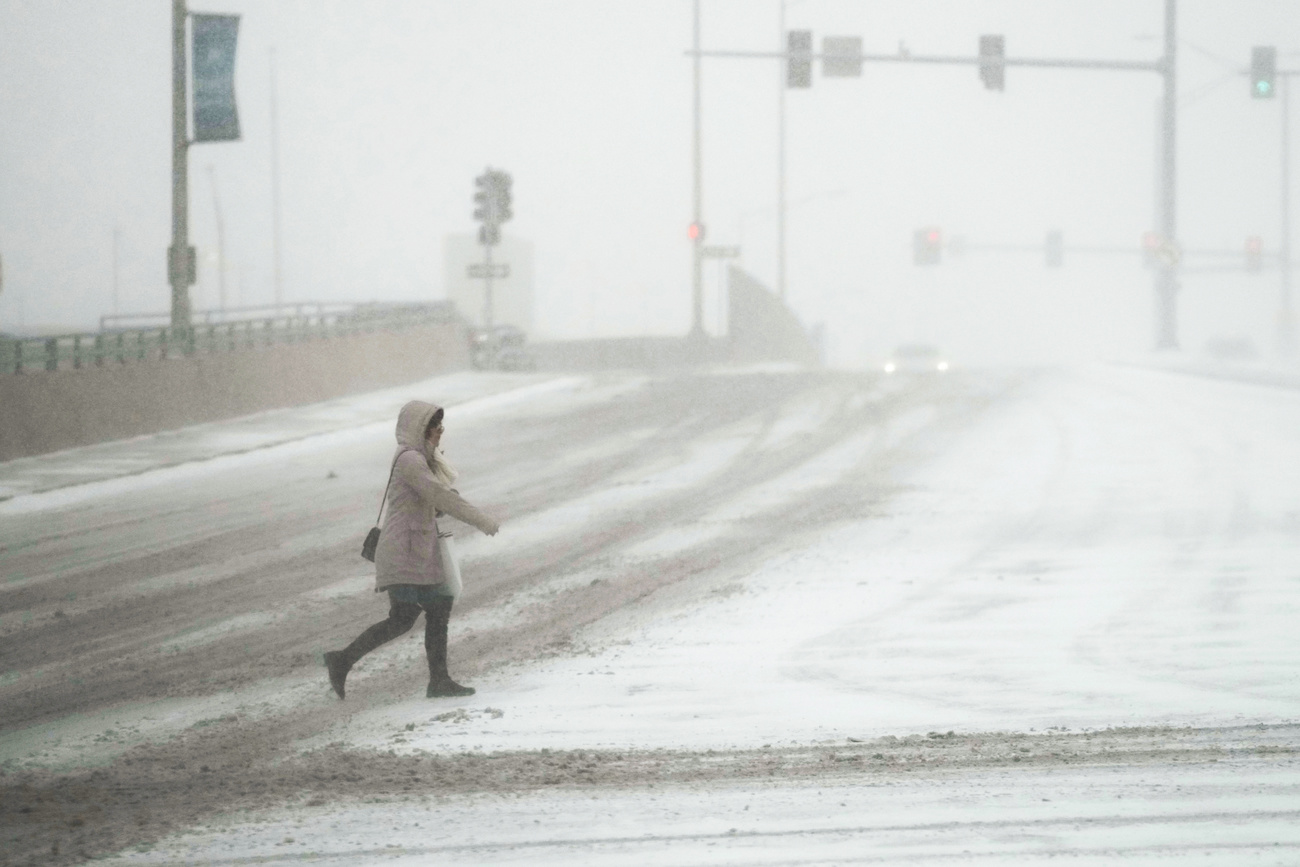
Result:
[411,424]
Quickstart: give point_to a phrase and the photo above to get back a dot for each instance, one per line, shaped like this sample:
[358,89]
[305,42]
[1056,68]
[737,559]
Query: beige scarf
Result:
[442,469]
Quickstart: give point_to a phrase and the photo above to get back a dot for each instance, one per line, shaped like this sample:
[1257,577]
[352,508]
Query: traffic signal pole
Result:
[697,261]
[492,198]
[487,288]
[1266,80]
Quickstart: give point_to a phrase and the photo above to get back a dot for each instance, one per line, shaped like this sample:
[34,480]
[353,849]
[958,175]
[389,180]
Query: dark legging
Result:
[401,617]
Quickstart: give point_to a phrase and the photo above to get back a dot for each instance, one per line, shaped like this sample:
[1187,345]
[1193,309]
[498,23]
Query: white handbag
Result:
[450,564]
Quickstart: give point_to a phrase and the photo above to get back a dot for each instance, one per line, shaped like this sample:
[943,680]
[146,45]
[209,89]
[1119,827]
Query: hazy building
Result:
[512,296]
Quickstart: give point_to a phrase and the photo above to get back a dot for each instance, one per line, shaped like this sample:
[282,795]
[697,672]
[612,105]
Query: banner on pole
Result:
[215,115]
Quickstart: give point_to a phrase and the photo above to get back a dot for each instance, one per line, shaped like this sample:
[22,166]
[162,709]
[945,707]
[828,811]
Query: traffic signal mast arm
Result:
[1054,63]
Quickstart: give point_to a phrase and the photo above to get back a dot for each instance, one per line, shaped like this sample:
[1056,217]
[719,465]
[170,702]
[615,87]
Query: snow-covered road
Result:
[713,569]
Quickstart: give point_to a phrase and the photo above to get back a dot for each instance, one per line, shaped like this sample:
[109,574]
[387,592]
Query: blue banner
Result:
[215,115]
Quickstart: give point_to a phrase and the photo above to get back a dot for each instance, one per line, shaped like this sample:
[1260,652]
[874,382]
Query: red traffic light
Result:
[695,231]
[927,246]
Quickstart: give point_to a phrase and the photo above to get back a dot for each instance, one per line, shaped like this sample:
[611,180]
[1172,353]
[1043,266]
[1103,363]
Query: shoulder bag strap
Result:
[383,501]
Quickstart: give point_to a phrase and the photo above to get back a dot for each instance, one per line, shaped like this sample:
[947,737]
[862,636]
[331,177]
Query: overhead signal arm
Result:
[838,57]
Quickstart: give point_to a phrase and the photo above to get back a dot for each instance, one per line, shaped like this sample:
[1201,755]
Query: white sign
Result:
[732,252]
[842,56]
[479,270]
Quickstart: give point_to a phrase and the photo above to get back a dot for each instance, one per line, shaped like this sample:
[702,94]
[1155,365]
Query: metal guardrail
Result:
[126,345]
[132,321]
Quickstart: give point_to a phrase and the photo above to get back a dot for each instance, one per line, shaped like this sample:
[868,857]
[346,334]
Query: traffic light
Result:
[481,212]
[504,182]
[993,60]
[695,232]
[798,61]
[484,199]
[492,204]
[1254,253]
[927,246]
[1263,71]
[1055,249]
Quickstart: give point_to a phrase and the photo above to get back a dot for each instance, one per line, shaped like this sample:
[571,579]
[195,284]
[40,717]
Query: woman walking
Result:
[407,564]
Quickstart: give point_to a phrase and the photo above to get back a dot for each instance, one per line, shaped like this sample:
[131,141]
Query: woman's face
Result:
[434,436]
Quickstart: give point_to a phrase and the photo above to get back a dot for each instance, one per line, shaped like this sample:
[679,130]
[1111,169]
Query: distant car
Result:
[501,347]
[916,358]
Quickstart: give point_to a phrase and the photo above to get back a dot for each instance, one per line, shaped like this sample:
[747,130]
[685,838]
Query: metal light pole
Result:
[697,273]
[1286,342]
[1166,278]
[180,262]
[221,240]
[116,239]
[275,189]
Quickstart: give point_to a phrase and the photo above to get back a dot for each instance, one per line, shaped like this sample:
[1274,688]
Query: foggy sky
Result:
[389,109]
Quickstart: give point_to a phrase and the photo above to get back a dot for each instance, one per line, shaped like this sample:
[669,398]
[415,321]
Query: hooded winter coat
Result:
[408,543]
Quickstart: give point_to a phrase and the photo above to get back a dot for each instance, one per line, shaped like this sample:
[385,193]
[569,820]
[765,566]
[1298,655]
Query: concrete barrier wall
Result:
[48,411]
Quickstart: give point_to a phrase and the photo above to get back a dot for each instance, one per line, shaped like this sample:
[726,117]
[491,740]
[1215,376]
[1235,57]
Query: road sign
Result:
[716,252]
[480,271]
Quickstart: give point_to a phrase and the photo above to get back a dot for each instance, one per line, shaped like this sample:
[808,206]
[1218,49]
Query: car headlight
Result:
[889,367]
[942,366]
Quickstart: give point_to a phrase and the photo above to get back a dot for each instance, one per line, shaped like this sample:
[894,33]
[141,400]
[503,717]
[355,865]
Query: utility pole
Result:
[180,259]
[697,262]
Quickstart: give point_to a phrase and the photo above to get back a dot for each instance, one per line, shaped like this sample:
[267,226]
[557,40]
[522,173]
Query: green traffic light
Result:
[1263,86]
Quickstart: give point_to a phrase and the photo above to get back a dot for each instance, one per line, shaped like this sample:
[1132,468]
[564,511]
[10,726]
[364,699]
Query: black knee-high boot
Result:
[436,615]
[401,617]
